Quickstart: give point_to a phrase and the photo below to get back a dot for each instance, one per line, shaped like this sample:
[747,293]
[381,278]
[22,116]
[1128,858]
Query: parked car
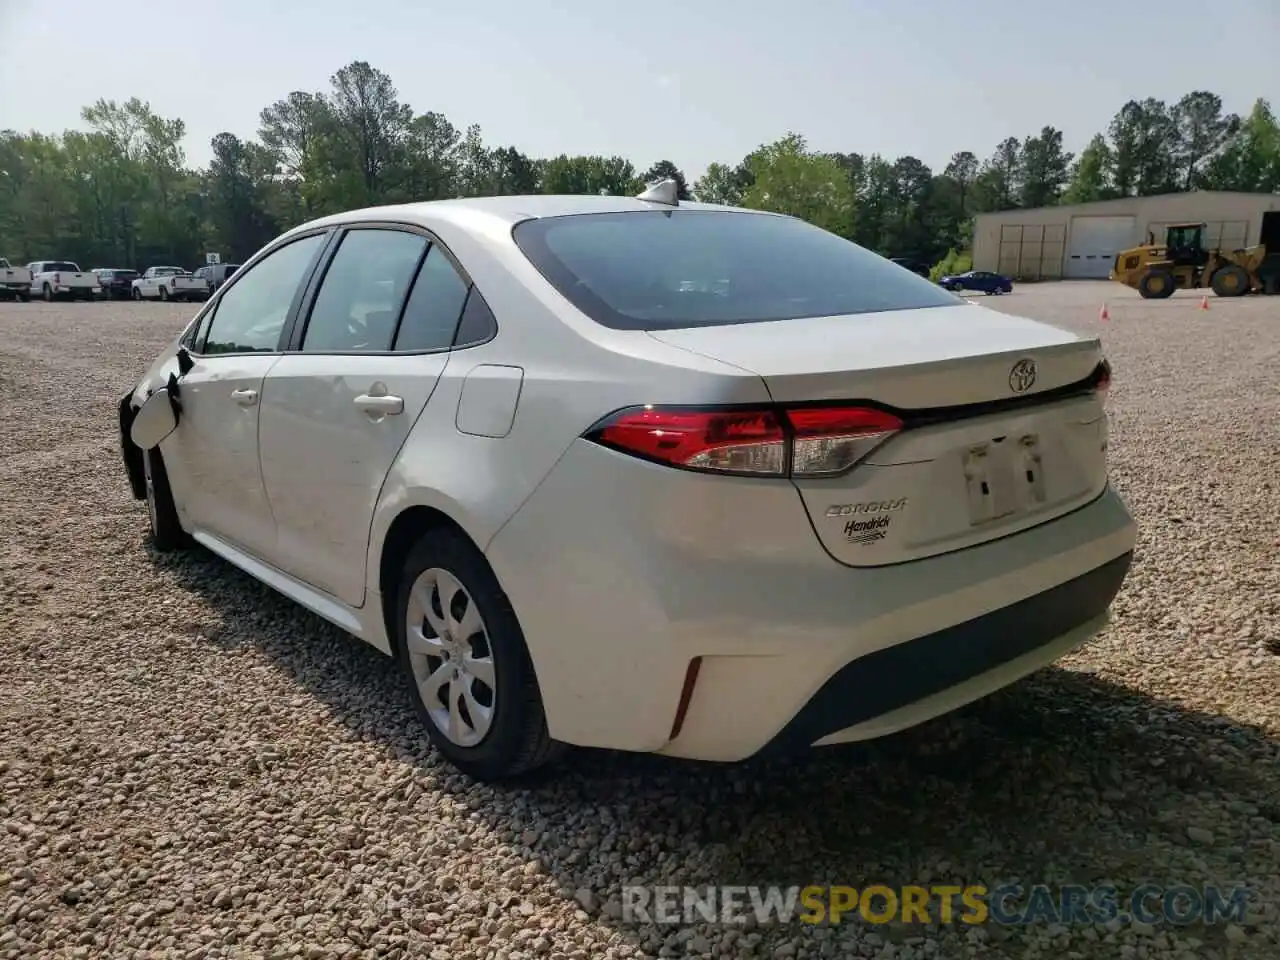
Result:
[14,281]
[62,278]
[918,267]
[117,283]
[989,283]
[638,473]
[216,274]
[169,283]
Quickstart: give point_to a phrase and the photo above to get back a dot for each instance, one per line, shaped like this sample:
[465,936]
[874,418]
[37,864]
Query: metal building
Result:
[1082,240]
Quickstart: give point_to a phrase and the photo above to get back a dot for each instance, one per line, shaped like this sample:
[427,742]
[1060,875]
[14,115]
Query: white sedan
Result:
[638,473]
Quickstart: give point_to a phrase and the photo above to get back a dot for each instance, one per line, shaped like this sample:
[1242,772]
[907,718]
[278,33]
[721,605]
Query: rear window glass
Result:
[61,266]
[692,268]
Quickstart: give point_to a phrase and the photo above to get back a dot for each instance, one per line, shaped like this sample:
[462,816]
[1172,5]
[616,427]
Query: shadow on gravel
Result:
[1063,778]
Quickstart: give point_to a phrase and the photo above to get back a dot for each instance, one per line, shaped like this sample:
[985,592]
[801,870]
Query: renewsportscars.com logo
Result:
[1007,905]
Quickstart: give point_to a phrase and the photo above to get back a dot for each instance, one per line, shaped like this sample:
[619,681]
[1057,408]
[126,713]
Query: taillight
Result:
[57,279]
[800,442]
[830,440]
[726,441]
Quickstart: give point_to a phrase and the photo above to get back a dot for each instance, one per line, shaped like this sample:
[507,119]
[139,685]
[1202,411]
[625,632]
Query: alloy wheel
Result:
[450,656]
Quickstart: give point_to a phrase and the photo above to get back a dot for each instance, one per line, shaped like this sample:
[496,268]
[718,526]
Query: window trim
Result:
[301,317]
[201,336]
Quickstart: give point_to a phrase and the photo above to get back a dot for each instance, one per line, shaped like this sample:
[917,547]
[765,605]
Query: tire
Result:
[164,293]
[136,294]
[167,534]
[1231,281]
[25,297]
[1156,284]
[445,565]
[48,293]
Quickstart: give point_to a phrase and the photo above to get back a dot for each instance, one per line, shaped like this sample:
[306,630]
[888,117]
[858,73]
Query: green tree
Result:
[1142,143]
[1091,173]
[1044,170]
[1201,130]
[431,158]
[1250,160]
[997,186]
[514,173]
[962,169]
[237,183]
[788,179]
[574,175]
[719,184]
[367,129]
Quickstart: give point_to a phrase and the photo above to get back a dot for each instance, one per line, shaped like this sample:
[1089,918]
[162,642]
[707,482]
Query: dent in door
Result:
[488,400]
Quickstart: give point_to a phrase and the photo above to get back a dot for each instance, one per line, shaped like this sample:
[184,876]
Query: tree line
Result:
[120,191]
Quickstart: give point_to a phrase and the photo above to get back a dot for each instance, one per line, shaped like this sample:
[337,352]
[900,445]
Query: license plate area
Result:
[1003,477]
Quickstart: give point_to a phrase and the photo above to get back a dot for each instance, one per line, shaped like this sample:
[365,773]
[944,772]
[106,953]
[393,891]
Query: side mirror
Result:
[154,421]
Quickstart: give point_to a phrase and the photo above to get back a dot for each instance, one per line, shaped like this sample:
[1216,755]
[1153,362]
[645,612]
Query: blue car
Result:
[989,283]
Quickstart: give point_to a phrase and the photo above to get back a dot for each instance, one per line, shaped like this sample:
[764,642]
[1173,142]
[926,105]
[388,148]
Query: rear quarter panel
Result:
[574,373]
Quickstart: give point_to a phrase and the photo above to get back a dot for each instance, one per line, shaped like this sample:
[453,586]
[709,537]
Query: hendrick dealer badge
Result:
[866,531]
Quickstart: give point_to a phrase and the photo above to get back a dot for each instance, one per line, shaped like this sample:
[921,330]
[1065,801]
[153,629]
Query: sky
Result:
[694,82]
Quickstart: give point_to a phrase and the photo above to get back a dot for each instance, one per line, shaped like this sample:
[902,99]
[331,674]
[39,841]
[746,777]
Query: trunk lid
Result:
[1001,434]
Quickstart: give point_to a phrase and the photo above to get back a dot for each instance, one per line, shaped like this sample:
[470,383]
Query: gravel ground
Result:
[191,766]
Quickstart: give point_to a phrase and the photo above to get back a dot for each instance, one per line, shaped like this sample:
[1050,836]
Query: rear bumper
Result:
[652,568]
[905,684]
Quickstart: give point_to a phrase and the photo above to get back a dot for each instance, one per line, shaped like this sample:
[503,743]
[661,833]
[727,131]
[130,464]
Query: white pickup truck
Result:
[15,281]
[170,283]
[62,278]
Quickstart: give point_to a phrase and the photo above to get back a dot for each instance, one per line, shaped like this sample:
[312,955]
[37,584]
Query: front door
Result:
[214,452]
[336,413]
[212,457]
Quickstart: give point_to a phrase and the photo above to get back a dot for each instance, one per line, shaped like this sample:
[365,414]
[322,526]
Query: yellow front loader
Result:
[1182,263]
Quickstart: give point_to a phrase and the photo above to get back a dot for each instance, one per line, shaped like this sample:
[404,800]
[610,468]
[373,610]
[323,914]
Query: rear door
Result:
[212,458]
[365,358]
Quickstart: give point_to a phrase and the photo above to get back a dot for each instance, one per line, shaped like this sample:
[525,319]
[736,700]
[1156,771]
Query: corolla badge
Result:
[1022,376]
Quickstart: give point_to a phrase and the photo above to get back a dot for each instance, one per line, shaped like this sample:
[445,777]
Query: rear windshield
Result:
[60,266]
[655,270]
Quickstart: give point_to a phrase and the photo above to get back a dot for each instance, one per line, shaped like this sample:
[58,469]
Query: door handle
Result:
[386,405]
[246,398]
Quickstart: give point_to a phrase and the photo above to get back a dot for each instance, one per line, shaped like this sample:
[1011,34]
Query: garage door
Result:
[1094,243]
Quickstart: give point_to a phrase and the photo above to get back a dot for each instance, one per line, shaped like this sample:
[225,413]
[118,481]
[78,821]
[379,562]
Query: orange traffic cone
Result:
[1204,303]
[1102,314]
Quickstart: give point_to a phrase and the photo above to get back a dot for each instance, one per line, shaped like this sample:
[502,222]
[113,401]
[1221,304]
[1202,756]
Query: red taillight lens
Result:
[830,440]
[748,441]
[57,279]
[807,441]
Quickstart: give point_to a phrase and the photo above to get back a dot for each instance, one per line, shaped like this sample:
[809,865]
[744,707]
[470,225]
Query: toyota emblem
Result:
[1022,376]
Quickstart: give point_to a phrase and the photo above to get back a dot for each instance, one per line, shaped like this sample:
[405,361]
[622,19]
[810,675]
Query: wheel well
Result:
[406,530]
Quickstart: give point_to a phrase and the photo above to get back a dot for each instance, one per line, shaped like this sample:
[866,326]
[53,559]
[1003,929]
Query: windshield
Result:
[60,266]
[692,268]
[168,272]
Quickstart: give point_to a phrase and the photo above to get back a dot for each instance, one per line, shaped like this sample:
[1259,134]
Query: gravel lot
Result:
[191,766]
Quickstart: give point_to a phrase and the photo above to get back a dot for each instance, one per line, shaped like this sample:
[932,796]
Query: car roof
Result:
[510,210]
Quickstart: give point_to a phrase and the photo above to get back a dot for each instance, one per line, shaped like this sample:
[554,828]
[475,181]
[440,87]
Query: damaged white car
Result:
[638,473]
